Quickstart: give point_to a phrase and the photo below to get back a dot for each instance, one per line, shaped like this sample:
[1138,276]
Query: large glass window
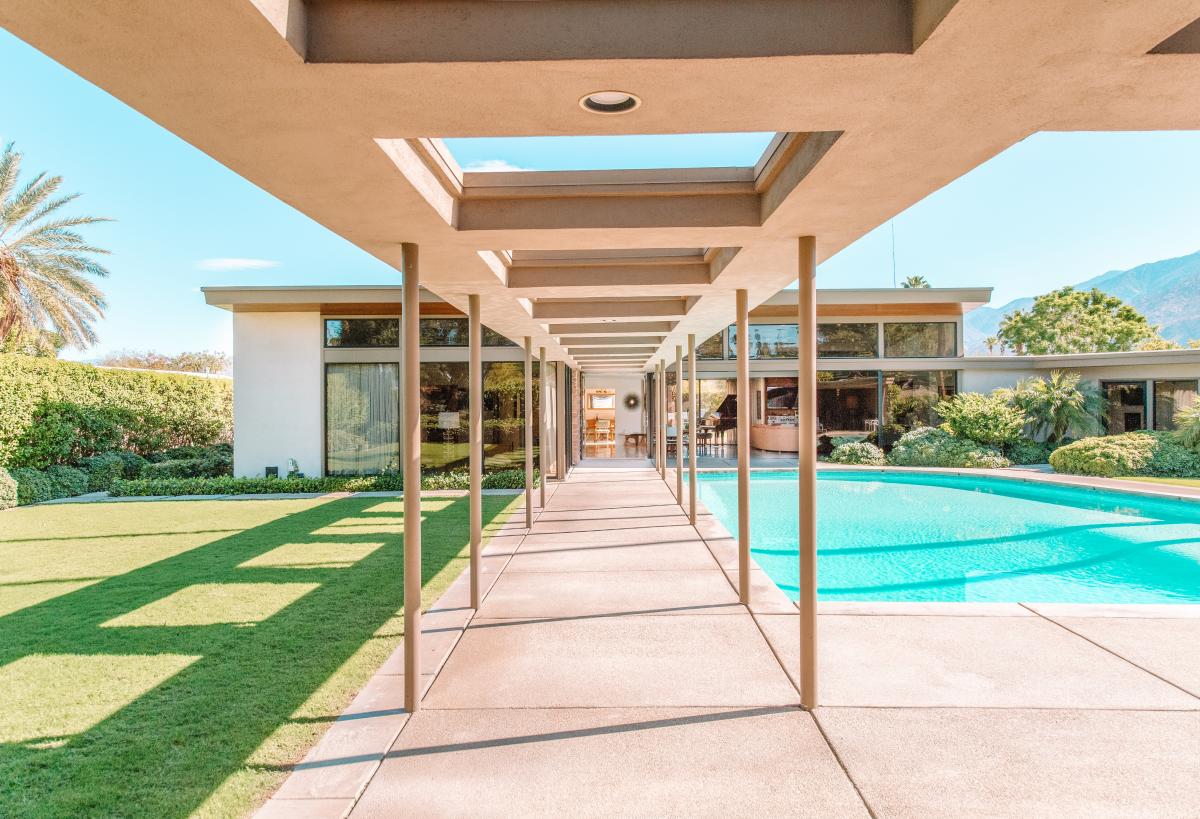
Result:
[909,399]
[920,339]
[362,332]
[456,332]
[1169,398]
[847,340]
[362,418]
[504,413]
[1126,405]
[767,341]
[847,406]
[712,349]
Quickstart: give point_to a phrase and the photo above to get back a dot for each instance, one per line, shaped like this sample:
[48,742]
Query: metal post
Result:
[806,423]
[743,445]
[411,404]
[543,426]
[528,432]
[662,418]
[475,442]
[693,409]
[679,424]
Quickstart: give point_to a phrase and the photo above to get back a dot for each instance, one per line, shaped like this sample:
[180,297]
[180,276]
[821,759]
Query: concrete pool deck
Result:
[610,670]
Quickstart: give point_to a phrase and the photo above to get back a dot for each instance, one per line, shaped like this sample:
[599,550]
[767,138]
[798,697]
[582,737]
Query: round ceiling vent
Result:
[609,102]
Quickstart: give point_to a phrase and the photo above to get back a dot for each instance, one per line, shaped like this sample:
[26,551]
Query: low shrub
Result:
[211,465]
[61,432]
[144,487]
[187,453]
[858,452]
[8,490]
[989,420]
[1152,454]
[1025,451]
[102,470]
[132,461]
[33,486]
[934,446]
[67,481]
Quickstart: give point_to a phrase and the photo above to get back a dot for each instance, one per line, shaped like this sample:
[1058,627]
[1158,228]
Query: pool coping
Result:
[719,540]
[1165,491]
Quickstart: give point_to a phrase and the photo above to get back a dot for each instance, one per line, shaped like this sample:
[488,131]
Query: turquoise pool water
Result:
[924,537]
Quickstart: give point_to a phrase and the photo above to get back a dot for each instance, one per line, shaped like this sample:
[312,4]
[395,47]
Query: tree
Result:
[37,343]
[1072,321]
[44,262]
[1059,405]
[991,342]
[914,282]
[211,363]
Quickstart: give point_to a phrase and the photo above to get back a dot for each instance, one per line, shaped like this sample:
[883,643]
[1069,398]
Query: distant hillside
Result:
[1167,292]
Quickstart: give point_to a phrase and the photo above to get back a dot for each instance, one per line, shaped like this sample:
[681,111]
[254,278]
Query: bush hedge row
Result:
[934,446]
[146,487]
[151,410]
[1150,454]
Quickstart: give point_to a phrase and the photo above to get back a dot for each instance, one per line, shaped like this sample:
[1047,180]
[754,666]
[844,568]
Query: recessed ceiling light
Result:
[609,102]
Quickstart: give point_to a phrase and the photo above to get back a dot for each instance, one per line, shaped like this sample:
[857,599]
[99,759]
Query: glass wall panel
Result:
[847,406]
[504,414]
[711,349]
[767,341]
[362,418]
[848,340]
[1169,398]
[920,339]
[362,332]
[455,332]
[444,415]
[909,398]
[716,407]
[1126,405]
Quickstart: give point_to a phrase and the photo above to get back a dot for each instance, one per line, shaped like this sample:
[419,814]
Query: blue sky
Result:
[1055,209]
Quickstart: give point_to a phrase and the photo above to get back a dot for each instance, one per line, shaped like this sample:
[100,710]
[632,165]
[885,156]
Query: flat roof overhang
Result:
[333,106]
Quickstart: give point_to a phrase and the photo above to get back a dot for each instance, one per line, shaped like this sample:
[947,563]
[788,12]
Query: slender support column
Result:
[475,442]
[679,424]
[662,418]
[411,405]
[806,423]
[528,432]
[693,405]
[543,426]
[743,444]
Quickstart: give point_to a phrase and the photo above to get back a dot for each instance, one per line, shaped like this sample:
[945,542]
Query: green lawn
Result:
[1176,481]
[164,658]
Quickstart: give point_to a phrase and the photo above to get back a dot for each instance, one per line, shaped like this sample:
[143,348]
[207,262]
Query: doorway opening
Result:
[613,417]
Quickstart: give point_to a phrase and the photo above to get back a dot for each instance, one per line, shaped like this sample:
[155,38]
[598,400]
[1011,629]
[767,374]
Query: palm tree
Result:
[1061,404]
[914,281]
[991,342]
[44,262]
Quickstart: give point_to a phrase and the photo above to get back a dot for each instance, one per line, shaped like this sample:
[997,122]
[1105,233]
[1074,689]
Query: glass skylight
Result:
[609,153]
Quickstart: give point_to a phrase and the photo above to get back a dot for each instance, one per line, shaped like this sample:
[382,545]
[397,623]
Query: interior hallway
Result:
[611,671]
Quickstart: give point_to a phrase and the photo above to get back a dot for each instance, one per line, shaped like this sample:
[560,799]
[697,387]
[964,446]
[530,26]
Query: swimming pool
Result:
[931,537]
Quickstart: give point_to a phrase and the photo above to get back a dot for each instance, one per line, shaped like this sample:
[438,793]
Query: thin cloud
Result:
[235,264]
[493,166]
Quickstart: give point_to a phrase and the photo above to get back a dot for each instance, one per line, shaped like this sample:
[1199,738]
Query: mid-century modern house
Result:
[317,375]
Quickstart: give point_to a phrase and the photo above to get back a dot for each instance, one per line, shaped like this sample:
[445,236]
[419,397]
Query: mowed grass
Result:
[176,657]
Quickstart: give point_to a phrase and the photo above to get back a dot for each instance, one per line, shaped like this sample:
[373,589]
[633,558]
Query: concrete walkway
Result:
[611,671]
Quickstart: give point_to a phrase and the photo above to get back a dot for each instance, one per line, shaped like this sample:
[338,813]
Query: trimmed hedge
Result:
[934,446]
[1151,454]
[36,486]
[102,470]
[146,487]
[8,490]
[192,462]
[989,420]
[168,410]
[860,452]
[1026,451]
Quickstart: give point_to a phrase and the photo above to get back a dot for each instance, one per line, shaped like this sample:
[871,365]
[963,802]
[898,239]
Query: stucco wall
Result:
[277,392]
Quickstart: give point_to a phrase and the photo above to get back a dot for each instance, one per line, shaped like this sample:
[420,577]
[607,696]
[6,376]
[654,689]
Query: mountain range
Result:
[1167,292]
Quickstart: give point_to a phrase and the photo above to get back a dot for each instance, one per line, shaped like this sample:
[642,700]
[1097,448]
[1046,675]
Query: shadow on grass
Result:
[165,752]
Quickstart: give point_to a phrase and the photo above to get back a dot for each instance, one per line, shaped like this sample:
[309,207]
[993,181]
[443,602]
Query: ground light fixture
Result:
[609,102]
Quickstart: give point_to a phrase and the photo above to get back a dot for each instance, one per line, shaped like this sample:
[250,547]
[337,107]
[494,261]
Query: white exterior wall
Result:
[277,403]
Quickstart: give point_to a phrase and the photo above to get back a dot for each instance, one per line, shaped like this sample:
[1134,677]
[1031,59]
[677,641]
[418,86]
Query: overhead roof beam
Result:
[440,31]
